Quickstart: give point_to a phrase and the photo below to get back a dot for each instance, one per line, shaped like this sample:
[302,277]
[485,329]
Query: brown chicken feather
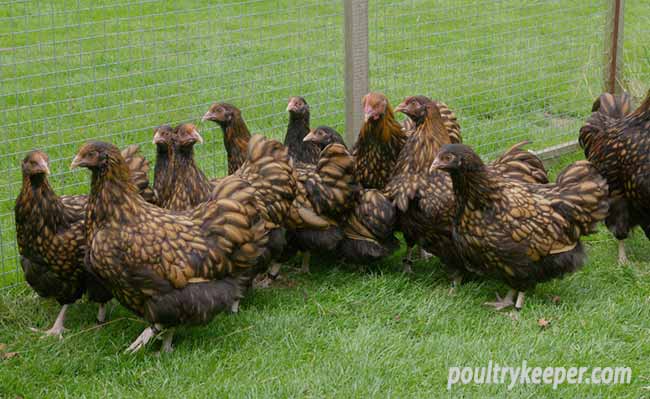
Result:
[235,132]
[189,185]
[163,168]
[517,232]
[617,142]
[380,141]
[424,198]
[167,267]
[368,227]
[50,232]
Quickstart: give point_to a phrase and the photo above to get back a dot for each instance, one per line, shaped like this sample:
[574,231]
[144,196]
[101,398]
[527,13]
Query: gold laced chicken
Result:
[425,198]
[521,233]
[51,235]
[179,268]
[616,140]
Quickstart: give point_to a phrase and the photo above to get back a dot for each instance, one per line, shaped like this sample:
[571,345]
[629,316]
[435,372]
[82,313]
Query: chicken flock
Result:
[182,249]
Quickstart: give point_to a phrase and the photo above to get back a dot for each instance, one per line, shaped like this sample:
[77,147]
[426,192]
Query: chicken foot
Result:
[505,302]
[269,277]
[58,328]
[143,339]
[408,260]
[622,256]
[167,341]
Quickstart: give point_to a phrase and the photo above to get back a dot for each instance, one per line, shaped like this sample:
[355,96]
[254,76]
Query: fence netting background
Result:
[112,70]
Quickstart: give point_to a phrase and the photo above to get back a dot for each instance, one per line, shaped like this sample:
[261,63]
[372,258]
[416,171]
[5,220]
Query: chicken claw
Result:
[58,328]
[142,340]
[503,303]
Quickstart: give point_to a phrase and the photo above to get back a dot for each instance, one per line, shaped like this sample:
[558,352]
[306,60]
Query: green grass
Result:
[75,70]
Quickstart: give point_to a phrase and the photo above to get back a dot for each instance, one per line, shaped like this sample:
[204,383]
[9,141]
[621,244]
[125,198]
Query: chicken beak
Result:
[157,138]
[310,137]
[76,162]
[401,108]
[208,116]
[435,165]
[44,166]
[196,136]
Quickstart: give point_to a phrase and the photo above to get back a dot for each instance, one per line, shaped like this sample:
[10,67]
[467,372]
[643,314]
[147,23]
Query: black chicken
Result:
[163,169]
[617,142]
[521,233]
[298,128]
[235,132]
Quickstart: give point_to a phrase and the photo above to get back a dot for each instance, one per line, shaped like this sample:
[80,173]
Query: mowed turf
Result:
[511,70]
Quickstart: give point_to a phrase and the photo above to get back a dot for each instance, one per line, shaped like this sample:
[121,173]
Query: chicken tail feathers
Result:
[521,165]
[613,106]
[333,186]
[233,222]
[369,230]
[139,171]
[269,170]
[582,197]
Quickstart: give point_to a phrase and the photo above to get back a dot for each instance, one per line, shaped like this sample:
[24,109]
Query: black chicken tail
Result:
[606,110]
[139,170]
[369,230]
[521,165]
[582,197]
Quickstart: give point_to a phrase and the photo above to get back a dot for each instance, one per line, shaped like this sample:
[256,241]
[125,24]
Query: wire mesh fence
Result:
[113,69]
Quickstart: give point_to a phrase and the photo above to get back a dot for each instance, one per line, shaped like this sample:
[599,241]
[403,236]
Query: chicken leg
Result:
[408,260]
[101,314]
[58,327]
[455,282]
[506,302]
[622,256]
[306,259]
[167,341]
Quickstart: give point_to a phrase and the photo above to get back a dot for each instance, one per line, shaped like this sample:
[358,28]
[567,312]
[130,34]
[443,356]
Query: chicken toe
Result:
[142,340]
[58,328]
[503,303]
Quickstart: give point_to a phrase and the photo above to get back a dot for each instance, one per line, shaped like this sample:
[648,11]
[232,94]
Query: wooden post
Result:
[356,65]
[614,47]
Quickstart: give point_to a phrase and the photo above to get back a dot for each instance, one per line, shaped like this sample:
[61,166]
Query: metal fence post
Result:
[356,65]
[614,47]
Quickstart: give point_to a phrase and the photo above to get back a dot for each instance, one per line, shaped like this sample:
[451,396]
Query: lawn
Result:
[70,71]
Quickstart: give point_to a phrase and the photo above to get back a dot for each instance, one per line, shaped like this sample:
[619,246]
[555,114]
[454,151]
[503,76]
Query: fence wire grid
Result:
[71,71]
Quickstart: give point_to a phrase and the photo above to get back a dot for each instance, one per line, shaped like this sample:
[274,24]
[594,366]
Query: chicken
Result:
[380,141]
[304,152]
[163,169]
[178,268]
[190,186]
[617,142]
[324,197]
[50,232]
[424,199]
[368,228]
[521,233]
[235,132]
